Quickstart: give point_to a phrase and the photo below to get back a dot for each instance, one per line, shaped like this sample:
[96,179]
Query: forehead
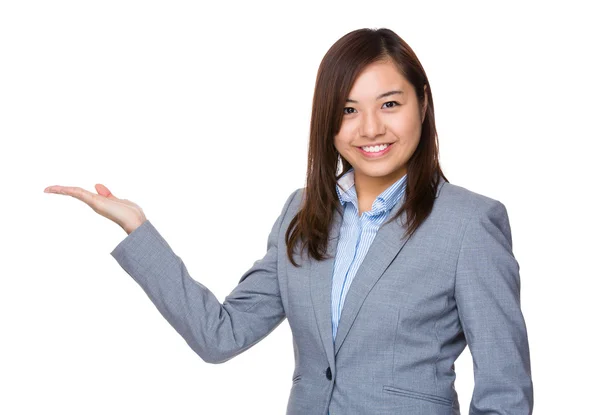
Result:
[376,78]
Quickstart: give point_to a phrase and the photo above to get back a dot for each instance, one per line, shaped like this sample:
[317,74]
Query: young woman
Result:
[384,270]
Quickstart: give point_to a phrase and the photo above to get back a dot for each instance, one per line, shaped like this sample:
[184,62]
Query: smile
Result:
[375,151]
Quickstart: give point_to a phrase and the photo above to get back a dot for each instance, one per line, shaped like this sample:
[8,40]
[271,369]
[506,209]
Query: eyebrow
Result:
[385,94]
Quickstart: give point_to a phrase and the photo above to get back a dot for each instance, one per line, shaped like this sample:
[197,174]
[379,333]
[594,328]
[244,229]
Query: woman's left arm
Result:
[488,299]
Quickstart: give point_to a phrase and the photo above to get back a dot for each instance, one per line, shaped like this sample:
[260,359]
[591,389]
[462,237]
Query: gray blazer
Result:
[412,308]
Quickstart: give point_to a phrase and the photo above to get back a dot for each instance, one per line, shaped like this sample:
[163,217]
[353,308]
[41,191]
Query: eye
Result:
[348,108]
[395,104]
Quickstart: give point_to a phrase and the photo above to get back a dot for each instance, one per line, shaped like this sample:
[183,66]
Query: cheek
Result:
[342,139]
[406,129]
[348,128]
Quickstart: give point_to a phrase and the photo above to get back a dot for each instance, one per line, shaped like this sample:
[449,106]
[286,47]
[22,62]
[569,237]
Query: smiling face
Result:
[382,108]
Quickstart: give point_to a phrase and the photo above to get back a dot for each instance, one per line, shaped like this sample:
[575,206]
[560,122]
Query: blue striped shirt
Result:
[356,235]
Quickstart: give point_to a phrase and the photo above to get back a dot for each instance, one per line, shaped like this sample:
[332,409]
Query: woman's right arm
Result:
[216,332]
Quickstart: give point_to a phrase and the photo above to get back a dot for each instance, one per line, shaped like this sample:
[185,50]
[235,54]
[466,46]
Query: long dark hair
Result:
[337,72]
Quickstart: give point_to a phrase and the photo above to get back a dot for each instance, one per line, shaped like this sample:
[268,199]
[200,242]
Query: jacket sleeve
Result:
[488,300]
[216,332]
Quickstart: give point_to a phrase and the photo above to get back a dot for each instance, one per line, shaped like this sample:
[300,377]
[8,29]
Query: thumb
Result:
[103,190]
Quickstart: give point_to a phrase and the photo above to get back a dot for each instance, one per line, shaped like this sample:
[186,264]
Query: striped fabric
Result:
[356,235]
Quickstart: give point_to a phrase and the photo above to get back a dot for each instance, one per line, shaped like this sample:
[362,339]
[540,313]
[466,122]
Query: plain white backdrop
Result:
[200,114]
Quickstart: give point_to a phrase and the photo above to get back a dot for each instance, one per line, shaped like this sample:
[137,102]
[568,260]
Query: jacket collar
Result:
[346,191]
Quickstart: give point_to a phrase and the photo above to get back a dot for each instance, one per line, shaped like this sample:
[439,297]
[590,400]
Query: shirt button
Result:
[328,373]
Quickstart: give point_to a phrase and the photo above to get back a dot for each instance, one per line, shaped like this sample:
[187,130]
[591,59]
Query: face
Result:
[381,126]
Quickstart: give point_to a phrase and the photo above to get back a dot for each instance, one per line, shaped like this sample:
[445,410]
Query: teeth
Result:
[375,149]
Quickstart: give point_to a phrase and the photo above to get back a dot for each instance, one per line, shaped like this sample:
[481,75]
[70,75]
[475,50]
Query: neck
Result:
[369,187]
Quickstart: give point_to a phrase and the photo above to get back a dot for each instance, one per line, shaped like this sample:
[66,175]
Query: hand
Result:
[123,212]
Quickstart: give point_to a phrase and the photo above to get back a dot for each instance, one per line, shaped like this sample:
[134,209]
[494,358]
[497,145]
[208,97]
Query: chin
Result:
[379,172]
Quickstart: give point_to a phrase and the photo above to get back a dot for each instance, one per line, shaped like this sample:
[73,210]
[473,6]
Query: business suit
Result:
[409,313]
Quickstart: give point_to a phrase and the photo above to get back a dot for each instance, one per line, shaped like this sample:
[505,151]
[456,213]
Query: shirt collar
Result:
[383,203]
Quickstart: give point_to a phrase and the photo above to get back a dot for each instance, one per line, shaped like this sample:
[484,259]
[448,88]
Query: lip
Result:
[378,154]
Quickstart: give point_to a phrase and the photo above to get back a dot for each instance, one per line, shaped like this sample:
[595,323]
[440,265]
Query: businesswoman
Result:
[384,270]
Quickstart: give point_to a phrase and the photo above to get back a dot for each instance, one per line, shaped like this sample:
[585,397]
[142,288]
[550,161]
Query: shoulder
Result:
[467,211]
[295,199]
[473,213]
[465,202]
[293,203]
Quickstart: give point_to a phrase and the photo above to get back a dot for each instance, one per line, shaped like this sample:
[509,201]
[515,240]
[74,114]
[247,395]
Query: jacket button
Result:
[328,373]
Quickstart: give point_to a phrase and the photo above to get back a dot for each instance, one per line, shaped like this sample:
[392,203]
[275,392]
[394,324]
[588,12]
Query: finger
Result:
[78,193]
[55,189]
[52,189]
[103,190]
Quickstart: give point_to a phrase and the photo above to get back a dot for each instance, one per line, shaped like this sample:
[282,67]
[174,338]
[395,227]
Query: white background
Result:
[200,113]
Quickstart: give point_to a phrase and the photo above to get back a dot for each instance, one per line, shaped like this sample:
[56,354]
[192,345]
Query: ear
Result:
[424,108]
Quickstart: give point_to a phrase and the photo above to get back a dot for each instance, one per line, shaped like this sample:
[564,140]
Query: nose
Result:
[371,125]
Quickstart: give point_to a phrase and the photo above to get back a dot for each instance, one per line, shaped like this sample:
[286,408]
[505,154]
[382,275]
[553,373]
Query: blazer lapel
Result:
[386,246]
[321,273]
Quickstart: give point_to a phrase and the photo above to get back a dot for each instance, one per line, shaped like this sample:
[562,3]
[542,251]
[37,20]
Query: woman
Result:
[384,270]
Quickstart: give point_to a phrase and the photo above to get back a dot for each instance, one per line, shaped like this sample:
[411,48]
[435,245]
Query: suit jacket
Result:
[412,308]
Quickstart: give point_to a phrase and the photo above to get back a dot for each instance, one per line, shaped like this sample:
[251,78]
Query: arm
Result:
[488,299]
[216,332]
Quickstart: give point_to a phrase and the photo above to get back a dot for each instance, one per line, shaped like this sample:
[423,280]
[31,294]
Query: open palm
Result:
[123,212]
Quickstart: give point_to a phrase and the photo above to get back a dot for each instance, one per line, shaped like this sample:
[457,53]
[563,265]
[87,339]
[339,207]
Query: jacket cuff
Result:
[139,250]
